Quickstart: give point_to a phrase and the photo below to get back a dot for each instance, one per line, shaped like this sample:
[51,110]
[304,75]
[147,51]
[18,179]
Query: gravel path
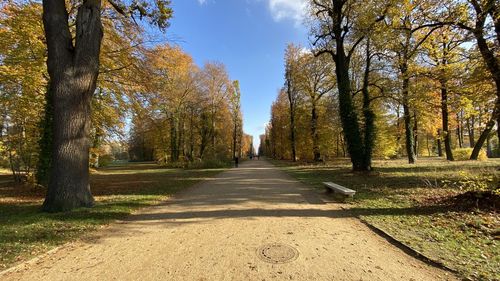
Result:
[219,229]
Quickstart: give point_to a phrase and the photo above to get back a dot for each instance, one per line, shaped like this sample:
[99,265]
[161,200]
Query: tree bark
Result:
[445,122]
[45,144]
[482,138]
[348,115]
[73,74]
[460,131]
[493,65]
[410,141]
[410,145]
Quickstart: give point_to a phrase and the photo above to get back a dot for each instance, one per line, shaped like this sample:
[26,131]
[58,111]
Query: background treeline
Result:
[174,110]
[391,79]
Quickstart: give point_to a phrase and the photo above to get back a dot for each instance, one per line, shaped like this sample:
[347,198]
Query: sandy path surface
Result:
[214,232]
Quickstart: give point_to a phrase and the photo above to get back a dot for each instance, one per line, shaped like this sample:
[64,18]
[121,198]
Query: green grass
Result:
[119,190]
[409,203]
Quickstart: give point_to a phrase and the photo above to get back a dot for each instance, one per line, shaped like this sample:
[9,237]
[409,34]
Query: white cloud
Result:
[288,9]
[201,2]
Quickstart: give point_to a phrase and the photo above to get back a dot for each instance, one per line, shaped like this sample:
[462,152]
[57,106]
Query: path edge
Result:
[404,247]
[382,233]
[22,265]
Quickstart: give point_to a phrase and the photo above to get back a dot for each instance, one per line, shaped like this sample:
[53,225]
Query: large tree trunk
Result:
[484,135]
[348,116]
[45,144]
[444,117]
[493,66]
[73,74]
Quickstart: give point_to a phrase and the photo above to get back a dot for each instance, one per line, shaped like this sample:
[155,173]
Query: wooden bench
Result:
[338,188]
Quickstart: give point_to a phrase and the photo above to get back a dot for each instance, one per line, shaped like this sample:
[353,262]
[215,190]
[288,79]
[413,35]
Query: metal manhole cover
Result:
[277,253]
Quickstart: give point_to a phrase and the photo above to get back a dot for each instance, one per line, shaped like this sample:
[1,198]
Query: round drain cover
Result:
[277,253]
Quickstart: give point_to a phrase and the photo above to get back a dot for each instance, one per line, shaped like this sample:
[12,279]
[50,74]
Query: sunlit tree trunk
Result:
[73,71]
[445,122]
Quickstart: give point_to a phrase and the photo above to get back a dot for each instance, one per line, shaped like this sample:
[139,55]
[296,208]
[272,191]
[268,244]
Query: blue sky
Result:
[249,37]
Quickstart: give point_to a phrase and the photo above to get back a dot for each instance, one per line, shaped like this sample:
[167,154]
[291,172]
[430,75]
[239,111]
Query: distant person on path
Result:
[236,161]
[258,156]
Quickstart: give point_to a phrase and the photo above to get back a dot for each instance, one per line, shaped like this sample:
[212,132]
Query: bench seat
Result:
[339,189]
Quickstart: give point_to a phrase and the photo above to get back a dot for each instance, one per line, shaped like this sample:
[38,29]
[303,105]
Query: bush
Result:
[464,154]
[105,160]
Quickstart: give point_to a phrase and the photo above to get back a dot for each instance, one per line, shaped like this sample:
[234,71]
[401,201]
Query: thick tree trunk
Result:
[444,117]
[493,66]
[348,116]
[73,74]
[45,143]
[484,135]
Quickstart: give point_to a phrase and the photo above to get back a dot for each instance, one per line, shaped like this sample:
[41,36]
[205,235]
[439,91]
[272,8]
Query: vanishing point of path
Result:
[216,230]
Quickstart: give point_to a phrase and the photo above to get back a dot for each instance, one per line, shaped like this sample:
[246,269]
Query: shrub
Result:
[479,181]
[105,160]
[464,154]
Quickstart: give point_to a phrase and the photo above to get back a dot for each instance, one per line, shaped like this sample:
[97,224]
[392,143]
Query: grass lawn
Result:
[418,205]
[26,232]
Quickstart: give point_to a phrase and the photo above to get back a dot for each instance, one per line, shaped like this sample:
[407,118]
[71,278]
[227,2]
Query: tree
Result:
[23,80]
[235,107]
[73,67]
[341,27]
[316,81]
[292,54]
[474,16]
[444,54]
[411,28]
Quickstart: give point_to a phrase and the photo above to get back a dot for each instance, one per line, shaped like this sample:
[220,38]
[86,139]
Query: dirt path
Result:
[215,231]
